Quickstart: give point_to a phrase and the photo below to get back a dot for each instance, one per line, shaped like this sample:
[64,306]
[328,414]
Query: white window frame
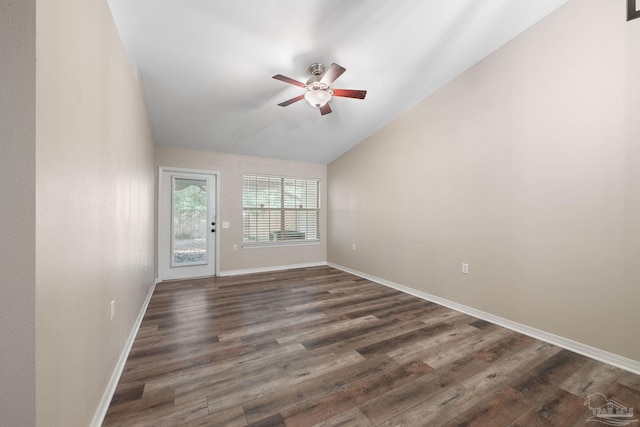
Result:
[274,219]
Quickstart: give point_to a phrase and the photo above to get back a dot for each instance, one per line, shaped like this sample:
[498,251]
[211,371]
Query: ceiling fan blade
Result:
[325,109]
[332,74]
[288,80]
[291,101]
[350,93]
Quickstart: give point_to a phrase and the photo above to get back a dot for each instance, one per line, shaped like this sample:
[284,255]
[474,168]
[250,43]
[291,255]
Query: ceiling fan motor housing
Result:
[316,69]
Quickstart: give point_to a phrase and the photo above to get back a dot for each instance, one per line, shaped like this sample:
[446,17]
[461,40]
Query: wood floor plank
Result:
[407,396]
[463,344]
[403,340]
[271,421]
[425,348]
[558,408]
[325,330]
[626,396]
[289,399]
[366,338]
[254,386]
[469,392]
[500,409]
[173,365]
[169,415]
[132,409]
[232,417]
[267,326]
[592,377]
[345,334]
[353,392]
[248,381]
[630,380]
[401,308]
[219,371]
[351,418]
[321,347]
[543,380]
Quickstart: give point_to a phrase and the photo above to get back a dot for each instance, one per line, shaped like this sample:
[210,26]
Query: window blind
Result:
[279,209]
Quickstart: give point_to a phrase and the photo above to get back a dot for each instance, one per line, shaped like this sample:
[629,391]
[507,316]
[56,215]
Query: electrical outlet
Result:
[113,309]
[235,247]
[465,268]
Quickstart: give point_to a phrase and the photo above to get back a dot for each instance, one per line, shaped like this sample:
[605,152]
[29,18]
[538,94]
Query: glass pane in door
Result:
[189,225]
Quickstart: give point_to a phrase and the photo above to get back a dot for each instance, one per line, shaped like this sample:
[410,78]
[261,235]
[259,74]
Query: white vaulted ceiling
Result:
[206,65]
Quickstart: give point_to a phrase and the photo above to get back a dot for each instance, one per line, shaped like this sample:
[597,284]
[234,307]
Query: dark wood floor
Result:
[320,347]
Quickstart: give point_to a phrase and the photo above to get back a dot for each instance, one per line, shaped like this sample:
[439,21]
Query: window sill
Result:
[280,244]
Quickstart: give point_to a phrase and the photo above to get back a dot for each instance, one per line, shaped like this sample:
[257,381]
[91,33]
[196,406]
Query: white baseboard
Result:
[268,269]
[630,365]
[101,412]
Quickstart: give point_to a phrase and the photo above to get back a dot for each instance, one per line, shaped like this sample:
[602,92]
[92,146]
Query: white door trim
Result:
[161,261]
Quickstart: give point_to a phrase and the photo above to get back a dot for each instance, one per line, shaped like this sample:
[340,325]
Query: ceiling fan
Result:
[318,91]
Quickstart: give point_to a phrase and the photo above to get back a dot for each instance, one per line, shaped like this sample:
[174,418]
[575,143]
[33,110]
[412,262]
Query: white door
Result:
[186,224]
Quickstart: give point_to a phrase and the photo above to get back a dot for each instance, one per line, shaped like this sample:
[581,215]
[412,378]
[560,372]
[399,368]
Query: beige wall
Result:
[525,167]
[231,168]
[17,212]
[94,207]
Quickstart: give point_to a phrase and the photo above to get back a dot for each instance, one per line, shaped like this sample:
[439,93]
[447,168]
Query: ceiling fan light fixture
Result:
[317,97]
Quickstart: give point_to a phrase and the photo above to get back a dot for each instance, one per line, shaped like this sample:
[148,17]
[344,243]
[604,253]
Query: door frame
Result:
[162,260]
